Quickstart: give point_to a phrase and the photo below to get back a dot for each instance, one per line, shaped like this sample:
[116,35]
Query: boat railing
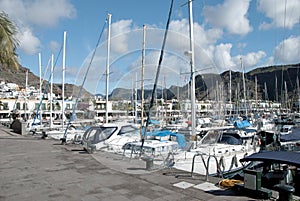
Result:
[206,164]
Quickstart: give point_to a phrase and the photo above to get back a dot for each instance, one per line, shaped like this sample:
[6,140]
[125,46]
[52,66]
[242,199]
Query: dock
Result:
[42,169]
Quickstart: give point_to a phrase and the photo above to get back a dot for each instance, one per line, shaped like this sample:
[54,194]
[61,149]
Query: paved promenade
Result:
[34,169]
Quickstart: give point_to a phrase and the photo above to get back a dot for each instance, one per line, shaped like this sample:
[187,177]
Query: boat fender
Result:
[234,161]
[222,163]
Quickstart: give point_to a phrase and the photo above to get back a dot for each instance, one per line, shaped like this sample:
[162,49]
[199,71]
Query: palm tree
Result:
[8,42]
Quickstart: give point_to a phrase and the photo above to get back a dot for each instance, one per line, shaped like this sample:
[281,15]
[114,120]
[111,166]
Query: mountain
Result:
[267,86]
[286,76]
[206,85]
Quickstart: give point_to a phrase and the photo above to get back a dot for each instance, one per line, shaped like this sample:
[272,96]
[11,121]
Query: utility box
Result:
[252,179]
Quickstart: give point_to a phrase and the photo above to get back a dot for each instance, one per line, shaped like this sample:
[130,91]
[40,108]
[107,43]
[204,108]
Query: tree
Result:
[8,42]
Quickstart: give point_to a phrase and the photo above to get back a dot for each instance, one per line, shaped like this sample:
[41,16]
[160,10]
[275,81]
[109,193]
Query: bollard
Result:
[93,148]
[23,128]
[285,192]
[149,162]
[44,135]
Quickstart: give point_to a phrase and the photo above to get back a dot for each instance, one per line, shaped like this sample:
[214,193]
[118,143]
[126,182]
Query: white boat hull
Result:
[210,160]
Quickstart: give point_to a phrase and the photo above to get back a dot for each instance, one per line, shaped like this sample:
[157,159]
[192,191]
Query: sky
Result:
[238,35]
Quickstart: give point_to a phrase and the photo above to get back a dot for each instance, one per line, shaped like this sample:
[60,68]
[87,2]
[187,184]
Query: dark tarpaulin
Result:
[286,157]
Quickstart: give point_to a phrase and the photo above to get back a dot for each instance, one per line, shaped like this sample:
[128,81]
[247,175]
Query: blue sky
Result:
[261,32]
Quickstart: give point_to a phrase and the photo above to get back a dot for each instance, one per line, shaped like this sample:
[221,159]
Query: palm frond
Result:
[8,42]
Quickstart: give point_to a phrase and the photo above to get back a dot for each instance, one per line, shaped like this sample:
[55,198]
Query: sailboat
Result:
[111,138]
[216,152]
[58,133]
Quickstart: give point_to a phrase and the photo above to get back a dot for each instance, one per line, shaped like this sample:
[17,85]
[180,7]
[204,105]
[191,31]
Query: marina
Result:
[189,106]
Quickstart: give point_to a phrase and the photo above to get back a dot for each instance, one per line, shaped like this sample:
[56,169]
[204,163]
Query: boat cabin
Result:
[277,168]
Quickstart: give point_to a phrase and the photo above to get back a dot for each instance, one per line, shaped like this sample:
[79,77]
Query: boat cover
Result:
[294,136]
[161,133]
[286,157]
[242,124]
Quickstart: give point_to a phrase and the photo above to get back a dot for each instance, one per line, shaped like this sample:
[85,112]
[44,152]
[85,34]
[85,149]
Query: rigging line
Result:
[46,88]
[46,69]
[157,75]
[84,79]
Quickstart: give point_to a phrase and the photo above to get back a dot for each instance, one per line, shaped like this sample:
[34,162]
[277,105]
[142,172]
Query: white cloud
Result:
[29,44]
[269,61]
[231,15]
[33,14]
[282,13]
[41,13]
[288,51]
[119,30]
[222,56]
[203,38]
[14,8]
[49,12]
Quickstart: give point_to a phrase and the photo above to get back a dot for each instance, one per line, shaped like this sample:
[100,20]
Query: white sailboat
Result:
[59,132]
[214,145]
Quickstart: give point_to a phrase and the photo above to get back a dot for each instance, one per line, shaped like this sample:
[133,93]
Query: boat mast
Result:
[135,99]
[298,93]
[51,91]
[266,92]
[256,93]
[230,92]
[276,89]
[25,96]
[107,66]
[41,94]
[286,96]
[142,83]
[244,86]
[193,111]
[40,69]
[63,79]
